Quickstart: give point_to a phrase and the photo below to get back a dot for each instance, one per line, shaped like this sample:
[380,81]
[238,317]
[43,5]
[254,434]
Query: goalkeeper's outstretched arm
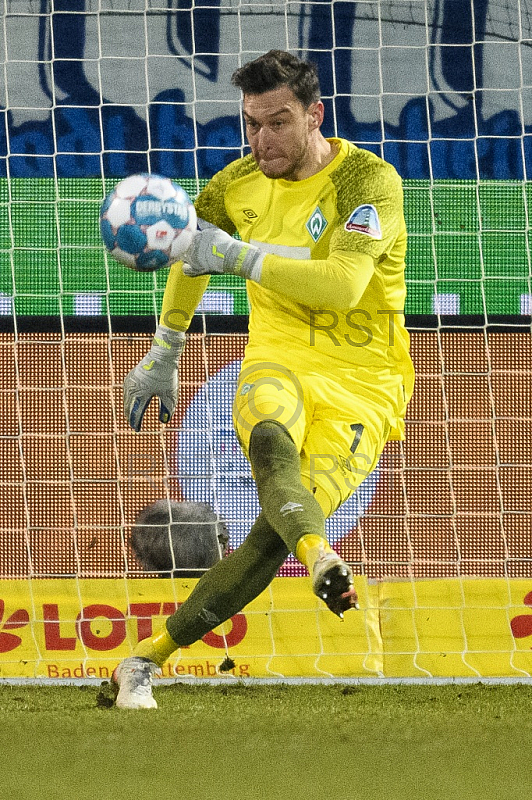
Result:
[338,281]
[157,374]
[181,298]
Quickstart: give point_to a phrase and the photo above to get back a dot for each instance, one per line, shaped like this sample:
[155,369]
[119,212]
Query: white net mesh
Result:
[93,91]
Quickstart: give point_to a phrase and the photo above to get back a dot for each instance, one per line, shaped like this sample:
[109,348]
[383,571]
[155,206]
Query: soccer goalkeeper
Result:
[327,373]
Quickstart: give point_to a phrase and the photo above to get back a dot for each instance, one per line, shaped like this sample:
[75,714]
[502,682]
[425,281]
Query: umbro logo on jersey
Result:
[365,219]
[249,213]
[316,224]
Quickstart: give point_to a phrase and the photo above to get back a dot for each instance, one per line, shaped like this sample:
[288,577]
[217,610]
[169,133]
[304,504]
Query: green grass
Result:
[279,742]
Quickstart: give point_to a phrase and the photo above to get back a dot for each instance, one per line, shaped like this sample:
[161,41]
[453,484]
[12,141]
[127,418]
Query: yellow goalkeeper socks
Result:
[309,548]
[157,648]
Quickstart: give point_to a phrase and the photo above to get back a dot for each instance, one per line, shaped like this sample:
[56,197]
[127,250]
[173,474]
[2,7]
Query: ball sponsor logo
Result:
[160,207]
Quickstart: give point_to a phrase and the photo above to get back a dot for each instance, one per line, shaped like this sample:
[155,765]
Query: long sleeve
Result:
[337,282]
[181,298]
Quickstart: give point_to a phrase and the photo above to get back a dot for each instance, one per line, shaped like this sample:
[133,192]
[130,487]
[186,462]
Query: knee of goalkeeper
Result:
[178,539]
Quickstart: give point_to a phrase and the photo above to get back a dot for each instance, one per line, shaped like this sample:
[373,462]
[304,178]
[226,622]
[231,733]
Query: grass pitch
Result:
[281,742]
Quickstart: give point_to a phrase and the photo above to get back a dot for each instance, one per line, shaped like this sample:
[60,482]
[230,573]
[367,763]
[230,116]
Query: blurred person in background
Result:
[178,539]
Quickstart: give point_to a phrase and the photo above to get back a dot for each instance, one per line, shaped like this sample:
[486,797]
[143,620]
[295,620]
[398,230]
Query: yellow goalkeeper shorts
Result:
[339,434]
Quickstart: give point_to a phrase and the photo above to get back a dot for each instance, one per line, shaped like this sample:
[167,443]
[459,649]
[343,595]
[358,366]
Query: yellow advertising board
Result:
[81,628]
[451,627]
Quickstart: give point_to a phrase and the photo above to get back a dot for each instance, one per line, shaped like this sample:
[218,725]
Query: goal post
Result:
[440,535]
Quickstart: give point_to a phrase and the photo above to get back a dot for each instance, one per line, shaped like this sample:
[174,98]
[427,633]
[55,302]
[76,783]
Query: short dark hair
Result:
[278,68]
[180,539]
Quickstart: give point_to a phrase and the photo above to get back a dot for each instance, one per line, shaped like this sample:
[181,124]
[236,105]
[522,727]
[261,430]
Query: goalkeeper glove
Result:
[214,252]
[155,376]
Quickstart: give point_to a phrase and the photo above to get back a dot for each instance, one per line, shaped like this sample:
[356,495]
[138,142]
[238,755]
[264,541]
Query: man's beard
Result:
[290,172]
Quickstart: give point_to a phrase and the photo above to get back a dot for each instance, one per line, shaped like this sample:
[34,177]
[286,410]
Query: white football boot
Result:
[332,582]
[133,679]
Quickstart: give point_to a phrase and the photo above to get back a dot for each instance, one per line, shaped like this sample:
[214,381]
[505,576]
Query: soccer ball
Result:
[147,222]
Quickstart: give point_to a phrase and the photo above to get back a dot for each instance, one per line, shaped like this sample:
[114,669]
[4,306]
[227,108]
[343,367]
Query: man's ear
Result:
[315,111]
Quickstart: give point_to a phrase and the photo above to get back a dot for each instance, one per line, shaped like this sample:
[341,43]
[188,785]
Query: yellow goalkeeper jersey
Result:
[355,204]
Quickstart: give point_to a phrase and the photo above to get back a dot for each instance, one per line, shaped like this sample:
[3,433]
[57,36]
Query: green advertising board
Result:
[468,252]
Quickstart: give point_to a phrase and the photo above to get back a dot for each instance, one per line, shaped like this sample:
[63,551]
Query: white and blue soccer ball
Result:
[147,222]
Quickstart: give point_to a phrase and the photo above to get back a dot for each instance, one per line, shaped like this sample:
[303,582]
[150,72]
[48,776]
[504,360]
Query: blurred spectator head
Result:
[180,539]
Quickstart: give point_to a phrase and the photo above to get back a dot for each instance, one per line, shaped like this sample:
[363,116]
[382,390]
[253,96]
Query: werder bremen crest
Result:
[316,224]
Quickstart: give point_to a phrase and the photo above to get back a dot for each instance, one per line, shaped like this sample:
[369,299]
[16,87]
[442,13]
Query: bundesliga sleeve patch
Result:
[365,219]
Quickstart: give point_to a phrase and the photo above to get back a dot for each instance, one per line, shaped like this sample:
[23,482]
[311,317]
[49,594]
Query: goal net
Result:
[440,535]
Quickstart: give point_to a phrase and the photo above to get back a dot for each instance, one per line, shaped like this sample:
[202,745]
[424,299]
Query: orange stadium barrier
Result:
[452,502]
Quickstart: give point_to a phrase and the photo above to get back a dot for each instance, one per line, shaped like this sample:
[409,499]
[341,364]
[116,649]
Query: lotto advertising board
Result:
[67,629]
